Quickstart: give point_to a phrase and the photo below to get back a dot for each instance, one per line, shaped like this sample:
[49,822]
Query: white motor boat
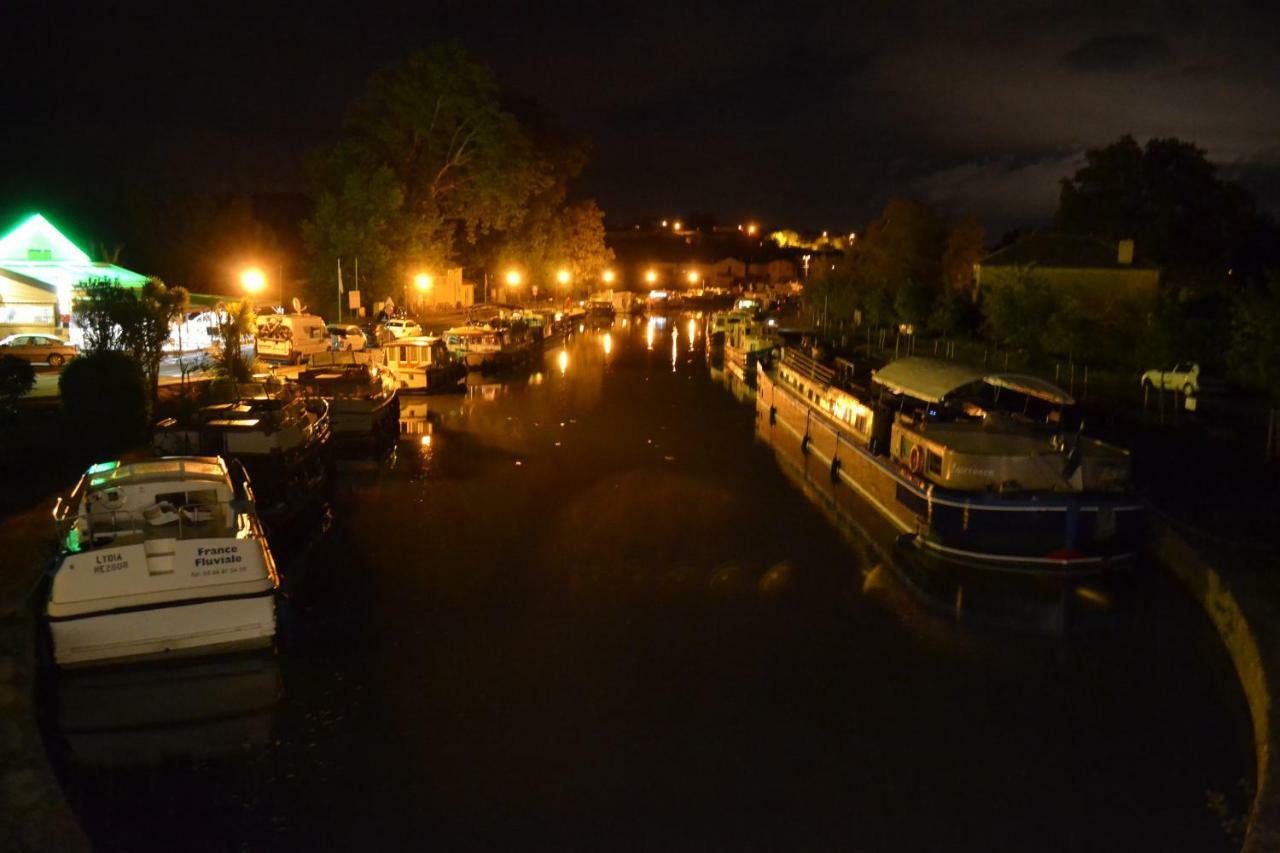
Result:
[360,391]
[158,558]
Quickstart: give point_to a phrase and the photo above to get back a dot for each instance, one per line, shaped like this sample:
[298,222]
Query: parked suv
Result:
[1183,376]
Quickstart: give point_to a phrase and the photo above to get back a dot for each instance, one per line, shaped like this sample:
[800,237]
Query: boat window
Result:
[860,423]
[934,463]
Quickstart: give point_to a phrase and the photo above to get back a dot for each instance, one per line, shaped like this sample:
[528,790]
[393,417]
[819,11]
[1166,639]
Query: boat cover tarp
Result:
[932,380]
[927,379]
[1032,386]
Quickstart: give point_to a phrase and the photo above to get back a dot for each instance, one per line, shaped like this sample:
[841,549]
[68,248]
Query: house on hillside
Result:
[40,272]
[1102,275]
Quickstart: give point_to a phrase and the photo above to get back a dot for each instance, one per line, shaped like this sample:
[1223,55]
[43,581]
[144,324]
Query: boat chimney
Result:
[1124,253]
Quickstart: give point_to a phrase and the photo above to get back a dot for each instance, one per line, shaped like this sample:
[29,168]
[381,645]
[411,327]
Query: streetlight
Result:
[608,276]
[253,280]
[693,277]
[676,226]
[563,276]
[651,276]
[513,278]
[423,282]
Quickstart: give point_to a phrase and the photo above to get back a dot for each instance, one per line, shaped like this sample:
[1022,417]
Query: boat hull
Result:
[241,617]
[1063,533]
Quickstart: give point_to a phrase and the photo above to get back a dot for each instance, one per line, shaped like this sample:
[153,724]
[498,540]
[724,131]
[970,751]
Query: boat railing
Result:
[162,520]
[807,367]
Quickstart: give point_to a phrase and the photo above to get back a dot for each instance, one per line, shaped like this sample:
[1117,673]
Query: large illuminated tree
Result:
[429,164]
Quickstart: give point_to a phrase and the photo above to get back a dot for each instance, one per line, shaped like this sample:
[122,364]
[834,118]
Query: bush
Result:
[104,398]
[17,377]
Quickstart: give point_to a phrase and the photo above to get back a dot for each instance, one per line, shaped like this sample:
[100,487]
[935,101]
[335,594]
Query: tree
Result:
[149,313]
[430,163]
[98,312]
[137,320]
[17,377]
[1254,354]
[964,248]
[104,397]
[1168,198]
[235,322]
[581,239]
[1018,313]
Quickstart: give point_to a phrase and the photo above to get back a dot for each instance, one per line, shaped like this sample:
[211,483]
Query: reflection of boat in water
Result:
[282,438]
[416,418]
[361,394]
[146,715]
[973,480]
[159,558]
[741,391]
[423,364]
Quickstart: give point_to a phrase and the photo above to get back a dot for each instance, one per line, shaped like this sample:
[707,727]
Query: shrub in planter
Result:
[104,398]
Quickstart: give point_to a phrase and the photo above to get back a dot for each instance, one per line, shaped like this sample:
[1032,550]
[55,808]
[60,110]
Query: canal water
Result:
[587,608]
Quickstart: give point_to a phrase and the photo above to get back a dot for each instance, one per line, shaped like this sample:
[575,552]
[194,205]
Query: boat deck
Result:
[977,439]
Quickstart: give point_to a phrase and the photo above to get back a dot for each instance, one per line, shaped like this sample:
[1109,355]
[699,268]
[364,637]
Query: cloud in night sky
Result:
[1121,52]
[806,114]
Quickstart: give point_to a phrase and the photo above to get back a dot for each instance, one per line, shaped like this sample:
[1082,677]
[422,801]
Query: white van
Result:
[291,337]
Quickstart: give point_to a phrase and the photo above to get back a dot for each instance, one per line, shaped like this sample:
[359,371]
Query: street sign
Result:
[353,299]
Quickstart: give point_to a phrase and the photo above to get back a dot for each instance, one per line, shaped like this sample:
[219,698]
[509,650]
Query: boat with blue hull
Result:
[930,447]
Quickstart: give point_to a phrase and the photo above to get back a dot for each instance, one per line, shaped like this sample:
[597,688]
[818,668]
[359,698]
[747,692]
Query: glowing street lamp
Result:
[253,280]
[693,277]
[608,276]
[751,229]
[651,276]
[423,282]
[563,276]
[513,278]
[676,225]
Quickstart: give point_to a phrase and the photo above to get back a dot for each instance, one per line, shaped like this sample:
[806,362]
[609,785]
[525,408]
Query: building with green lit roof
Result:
[40,271]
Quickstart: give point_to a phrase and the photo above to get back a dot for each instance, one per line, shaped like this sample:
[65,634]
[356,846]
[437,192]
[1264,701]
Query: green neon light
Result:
[103,467]
[35,239]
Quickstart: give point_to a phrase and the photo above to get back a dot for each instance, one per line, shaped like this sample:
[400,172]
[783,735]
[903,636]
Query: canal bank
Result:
[1246,612]
[35,816]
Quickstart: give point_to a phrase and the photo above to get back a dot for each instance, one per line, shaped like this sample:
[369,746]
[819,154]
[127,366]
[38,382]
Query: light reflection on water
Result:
[603,575]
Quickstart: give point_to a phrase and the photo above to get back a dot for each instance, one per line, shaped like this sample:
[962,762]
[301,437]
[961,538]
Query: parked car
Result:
[38,349]
[402,328]
[346,337]
[1183,376]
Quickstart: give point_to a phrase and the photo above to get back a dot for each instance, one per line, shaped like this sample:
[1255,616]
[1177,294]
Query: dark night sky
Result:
[804,116]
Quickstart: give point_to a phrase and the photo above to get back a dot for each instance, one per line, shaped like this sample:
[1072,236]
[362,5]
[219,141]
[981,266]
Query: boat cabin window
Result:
[934,463]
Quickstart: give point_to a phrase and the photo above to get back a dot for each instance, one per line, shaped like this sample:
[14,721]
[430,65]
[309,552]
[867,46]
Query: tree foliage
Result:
[137,320]
[236,322]
[430,163]
[1254,353]
[104,397]
[1169,199]
[900,268]
[17,377]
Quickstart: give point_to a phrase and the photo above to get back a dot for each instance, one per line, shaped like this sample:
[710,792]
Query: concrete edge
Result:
[36,816]
[1255,667]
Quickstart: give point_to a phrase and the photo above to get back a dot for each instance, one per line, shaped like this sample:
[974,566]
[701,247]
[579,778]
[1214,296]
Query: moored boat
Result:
[280,436]
[423,364]
[157,558]
[939,451]
[361,393]
[492,346]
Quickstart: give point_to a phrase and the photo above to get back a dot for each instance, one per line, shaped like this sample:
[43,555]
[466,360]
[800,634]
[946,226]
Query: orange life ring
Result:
[915,460]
